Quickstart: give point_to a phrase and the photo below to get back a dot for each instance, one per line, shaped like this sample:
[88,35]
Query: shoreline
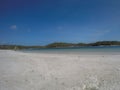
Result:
[71,53]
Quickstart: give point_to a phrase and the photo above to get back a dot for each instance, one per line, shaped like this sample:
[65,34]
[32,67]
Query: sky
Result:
[39,22]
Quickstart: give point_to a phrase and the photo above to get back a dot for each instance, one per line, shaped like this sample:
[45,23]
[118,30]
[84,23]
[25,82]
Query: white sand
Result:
[37,71]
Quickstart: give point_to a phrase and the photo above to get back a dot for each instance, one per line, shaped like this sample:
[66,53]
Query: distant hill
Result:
[105,43]
[62,44]
[99,43]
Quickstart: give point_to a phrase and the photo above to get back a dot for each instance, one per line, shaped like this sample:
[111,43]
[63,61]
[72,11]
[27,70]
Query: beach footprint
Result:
[91,83]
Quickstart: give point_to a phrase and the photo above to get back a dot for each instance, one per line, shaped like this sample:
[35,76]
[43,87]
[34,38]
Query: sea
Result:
[77,50]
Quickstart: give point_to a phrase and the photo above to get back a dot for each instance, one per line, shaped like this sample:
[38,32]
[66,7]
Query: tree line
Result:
[99,43]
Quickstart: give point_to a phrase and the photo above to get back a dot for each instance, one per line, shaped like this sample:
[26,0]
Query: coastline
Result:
[54,71]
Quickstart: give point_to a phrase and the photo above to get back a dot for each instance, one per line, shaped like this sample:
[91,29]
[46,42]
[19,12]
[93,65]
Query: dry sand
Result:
[40,71]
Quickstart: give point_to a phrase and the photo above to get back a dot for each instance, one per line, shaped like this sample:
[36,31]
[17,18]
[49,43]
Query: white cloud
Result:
[13,27]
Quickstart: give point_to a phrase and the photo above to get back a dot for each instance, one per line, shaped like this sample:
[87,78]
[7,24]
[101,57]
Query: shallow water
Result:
[114,50]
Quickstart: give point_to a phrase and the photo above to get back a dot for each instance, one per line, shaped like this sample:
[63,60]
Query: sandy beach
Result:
[43,71]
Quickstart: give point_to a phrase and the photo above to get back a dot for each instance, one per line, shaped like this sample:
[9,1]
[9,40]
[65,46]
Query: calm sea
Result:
[78,50]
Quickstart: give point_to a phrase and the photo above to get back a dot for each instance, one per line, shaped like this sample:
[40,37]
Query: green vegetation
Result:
[15,47]
[18,47]
[61,45]
[108,43]
[100,43]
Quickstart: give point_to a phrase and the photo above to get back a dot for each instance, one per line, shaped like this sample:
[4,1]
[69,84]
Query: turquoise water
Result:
[89,50]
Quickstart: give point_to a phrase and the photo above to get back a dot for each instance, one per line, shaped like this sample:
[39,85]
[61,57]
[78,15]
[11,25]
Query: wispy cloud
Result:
[28,30]
[13,27]
[59,27]
[100,33]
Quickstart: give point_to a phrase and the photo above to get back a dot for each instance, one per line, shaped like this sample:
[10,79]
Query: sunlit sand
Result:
[42,71]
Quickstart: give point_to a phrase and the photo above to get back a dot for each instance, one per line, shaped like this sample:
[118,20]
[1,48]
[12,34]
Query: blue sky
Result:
[39,22]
